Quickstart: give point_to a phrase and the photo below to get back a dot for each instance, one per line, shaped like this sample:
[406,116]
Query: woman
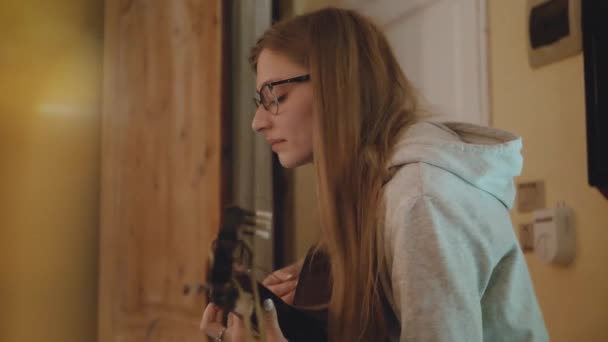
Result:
[414,214]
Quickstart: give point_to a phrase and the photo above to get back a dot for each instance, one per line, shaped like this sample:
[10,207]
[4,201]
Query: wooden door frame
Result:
[107,295]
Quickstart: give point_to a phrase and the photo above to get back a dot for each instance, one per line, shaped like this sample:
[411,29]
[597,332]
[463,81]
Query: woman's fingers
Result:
[209,315]
[210,324]
[215,330]
[219,317]
[288,298]
[277,277]
[236,328]
[284,288]
[272,323]
[290,272]
[294,268]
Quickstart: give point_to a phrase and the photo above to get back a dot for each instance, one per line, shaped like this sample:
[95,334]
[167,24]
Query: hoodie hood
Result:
[487,158]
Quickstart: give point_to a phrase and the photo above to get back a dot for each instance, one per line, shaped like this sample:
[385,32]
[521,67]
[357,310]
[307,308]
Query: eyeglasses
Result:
[267,98]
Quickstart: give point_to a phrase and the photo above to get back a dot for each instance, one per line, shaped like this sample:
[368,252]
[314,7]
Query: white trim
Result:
[385,12]
[484,65]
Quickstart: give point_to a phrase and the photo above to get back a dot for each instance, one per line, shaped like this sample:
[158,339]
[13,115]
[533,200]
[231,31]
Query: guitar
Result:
[229,282]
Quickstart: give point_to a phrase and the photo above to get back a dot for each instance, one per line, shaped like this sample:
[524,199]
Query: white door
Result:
[441,45]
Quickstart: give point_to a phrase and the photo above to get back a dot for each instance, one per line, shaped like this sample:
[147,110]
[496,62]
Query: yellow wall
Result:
[50,81]
[546,107]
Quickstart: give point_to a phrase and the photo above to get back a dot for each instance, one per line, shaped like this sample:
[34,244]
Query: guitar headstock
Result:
[233,288]
[232,257]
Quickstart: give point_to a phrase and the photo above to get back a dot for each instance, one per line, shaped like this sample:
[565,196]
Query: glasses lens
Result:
[269,100]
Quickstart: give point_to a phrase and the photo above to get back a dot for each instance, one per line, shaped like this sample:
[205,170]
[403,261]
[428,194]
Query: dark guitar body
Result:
[297,322]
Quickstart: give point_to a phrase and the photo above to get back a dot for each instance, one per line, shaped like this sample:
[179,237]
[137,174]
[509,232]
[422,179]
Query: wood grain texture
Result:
[161,166]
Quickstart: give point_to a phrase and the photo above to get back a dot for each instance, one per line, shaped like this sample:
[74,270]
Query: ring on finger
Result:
[220,337]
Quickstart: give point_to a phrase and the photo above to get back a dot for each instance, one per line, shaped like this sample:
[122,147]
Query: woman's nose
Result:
[261,119]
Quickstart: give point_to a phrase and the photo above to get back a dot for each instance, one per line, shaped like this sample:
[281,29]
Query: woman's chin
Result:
[289,162]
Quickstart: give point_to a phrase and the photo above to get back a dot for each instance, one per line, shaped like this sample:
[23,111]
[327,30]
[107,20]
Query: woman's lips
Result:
[275,143]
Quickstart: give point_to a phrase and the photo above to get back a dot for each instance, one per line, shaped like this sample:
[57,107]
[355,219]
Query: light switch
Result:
[530,196]
[554,30]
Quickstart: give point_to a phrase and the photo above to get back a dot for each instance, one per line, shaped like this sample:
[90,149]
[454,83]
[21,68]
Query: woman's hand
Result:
[283,282]
[211,325]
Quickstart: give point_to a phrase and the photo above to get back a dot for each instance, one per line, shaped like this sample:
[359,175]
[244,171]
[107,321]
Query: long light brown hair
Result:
[362,103]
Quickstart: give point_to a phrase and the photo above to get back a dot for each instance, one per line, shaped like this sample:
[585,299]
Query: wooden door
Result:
[161,166]
[441,45]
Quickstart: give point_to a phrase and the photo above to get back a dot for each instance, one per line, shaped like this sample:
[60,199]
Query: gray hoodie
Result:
[456,270]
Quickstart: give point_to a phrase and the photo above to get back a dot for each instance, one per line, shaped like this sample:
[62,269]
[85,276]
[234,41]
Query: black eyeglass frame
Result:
[259,98]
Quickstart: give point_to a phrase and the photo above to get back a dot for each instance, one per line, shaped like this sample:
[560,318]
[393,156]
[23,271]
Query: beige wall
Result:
[546,107]
[50,69]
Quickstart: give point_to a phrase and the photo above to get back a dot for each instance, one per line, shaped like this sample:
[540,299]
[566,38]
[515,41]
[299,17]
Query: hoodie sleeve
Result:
[441,271]
[434,281]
